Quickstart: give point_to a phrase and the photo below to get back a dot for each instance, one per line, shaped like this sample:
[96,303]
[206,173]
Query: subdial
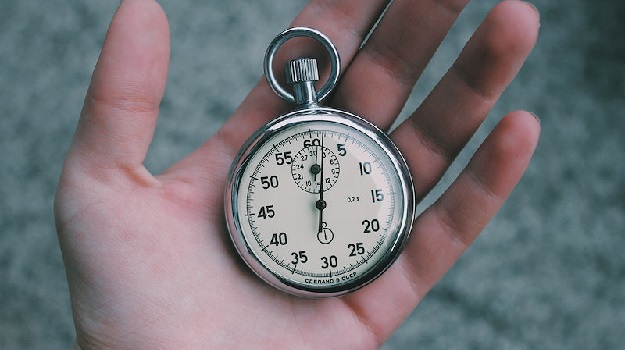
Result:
[313,166]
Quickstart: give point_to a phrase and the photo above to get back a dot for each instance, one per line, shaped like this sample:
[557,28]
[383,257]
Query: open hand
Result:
[148,258]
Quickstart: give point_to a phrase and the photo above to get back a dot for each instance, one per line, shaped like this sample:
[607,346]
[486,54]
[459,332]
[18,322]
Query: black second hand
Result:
[321,204]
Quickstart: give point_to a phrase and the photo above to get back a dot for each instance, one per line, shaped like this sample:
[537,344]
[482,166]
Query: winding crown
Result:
[302,69]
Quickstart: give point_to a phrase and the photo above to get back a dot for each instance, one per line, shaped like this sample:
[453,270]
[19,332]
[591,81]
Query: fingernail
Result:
[536,117]
[535,10]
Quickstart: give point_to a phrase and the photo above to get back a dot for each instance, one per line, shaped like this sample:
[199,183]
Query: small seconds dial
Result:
[308,163]
[321,206]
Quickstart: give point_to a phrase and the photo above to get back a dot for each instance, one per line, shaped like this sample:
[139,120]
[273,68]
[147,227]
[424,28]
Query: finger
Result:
[382,75]
[346,23]
[446,229]
[119,115]
[459,103]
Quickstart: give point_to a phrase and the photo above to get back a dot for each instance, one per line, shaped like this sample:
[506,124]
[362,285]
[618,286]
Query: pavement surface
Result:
[547,273]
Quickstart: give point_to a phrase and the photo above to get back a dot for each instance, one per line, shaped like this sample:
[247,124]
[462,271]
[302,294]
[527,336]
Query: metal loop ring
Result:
[298,32]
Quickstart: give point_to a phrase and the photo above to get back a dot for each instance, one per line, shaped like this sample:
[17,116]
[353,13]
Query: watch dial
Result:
[322,206]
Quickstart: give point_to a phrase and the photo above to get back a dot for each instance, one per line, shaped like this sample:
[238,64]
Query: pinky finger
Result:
[447,228]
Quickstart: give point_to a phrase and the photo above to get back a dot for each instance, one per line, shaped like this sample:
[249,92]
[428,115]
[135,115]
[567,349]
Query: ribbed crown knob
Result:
[302,69]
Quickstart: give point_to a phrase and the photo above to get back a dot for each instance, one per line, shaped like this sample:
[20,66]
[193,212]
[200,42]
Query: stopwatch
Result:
[320,202]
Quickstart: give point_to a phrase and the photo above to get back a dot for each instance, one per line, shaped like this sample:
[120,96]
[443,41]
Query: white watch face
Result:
[321,206]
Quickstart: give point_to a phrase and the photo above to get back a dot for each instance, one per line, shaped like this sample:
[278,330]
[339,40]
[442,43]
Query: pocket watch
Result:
[319,201]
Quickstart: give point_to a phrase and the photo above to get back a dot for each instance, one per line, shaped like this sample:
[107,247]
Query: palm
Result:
[170,263]
[148,257]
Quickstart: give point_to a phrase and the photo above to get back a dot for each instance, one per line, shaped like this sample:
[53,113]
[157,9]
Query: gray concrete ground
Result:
[548,273]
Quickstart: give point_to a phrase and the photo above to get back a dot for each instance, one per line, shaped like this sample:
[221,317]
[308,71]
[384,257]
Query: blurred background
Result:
[547,273]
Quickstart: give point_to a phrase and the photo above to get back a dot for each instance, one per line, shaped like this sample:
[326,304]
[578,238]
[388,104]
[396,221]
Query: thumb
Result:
[121,107]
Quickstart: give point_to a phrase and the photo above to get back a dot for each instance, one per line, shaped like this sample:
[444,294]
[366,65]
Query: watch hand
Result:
[315,168]
[321,204]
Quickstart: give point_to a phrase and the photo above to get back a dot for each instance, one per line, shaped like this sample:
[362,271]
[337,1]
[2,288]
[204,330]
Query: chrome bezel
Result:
[266,133]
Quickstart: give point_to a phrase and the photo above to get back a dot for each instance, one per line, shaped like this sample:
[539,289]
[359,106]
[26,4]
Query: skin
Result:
[148,258]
